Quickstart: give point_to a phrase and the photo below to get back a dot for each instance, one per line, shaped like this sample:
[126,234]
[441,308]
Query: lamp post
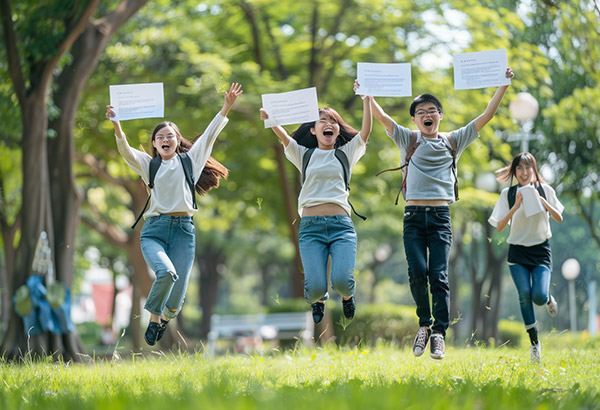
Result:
[570,270]
[525,110]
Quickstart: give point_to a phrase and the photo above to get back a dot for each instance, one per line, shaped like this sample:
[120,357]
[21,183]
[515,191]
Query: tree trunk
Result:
[296,277]
[209,261]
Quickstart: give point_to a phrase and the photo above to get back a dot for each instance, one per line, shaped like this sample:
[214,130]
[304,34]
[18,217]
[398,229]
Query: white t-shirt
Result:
[171,193]
[526,231]
[324,182]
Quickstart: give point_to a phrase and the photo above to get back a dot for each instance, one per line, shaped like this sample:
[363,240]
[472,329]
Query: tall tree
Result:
[37,37]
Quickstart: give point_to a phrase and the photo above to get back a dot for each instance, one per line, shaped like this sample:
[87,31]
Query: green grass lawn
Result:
[336,378]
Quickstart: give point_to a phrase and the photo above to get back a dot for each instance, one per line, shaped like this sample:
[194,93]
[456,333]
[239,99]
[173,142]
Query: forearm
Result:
[557,216]
[382,117]
[502,223]
[282,135]
[118,130]
[491,109]
[367,121]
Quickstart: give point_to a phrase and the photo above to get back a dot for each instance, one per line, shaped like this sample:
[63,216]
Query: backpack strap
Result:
[305,161]
[154,165]
[343,159]
[412,147]
[511,196]
[186,162]
[450,143]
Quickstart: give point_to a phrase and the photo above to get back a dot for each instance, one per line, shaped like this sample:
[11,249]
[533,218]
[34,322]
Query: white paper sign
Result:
[384,80]
[132,101]
[480,70]
[292,107]
[531,201]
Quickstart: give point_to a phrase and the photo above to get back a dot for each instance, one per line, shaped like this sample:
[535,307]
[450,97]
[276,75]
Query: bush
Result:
[510,333]
[373,323]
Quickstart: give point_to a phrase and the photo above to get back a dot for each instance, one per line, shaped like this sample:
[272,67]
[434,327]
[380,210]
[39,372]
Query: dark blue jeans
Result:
[427,241]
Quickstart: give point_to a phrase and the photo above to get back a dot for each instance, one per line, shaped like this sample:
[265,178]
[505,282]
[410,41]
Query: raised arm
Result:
[367,121]
[278,130]
[235,90]
[492,107]
[109,114]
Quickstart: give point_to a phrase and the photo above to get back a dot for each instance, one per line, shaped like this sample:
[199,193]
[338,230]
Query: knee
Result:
[539,298]
[164,274]
[313,293]
[344,285]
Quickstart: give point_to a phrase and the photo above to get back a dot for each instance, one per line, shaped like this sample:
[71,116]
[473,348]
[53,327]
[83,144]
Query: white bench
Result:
[270,326]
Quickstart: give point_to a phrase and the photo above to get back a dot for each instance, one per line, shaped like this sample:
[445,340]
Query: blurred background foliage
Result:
[245,255]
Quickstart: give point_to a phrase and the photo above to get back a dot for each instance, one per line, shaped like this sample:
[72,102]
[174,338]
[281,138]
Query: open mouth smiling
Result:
[328,133]
[428,123]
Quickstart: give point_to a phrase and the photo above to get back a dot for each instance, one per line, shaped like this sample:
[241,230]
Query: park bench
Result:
[261,326]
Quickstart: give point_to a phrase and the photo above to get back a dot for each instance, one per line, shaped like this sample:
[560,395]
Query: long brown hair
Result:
[304,137]
[509,172]
[213,170]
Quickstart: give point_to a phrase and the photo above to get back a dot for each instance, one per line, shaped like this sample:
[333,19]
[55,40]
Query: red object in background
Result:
[102,295]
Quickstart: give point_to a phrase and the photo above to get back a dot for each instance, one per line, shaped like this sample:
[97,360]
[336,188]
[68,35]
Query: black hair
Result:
[425,98]
[304,137]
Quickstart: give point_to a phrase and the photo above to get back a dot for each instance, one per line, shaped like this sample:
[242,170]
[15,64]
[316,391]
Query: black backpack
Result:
[512,193]
[186,163]
[341,156]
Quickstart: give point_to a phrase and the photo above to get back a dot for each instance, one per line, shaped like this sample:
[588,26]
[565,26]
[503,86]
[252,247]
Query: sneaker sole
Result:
[437,356]
[419,354]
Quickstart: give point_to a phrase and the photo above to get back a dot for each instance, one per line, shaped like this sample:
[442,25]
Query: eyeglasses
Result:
[423,112]
[161,138]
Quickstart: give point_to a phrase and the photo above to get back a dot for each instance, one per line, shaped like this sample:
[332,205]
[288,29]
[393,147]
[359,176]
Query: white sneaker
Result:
[438,347]
[421,340]
[536,352]
[552,306]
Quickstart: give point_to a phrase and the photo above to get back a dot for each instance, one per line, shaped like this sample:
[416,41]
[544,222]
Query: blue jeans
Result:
[533,286]
[319,237]
[428,228]
[168,246]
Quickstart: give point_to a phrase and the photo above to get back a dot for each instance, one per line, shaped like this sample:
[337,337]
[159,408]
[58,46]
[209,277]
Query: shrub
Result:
[510,333]
[373,323]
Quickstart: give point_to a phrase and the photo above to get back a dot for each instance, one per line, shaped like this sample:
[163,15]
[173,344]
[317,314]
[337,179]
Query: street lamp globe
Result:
[570,269]
[525,108]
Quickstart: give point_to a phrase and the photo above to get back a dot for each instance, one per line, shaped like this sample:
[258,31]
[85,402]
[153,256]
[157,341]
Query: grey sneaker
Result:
[552,306]
[438,346]
[536,352]
[421,340]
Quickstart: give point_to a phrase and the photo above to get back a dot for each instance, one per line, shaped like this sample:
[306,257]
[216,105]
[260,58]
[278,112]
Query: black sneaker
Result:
[438,346]
[349,307]
[151,334]
[161,329]
[318,311]
[421,340]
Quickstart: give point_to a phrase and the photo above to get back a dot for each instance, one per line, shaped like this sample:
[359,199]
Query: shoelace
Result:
[421,337]
[437,343]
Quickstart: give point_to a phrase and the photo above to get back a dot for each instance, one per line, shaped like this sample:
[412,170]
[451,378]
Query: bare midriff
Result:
[323,210]
[427,202]
[177,214]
